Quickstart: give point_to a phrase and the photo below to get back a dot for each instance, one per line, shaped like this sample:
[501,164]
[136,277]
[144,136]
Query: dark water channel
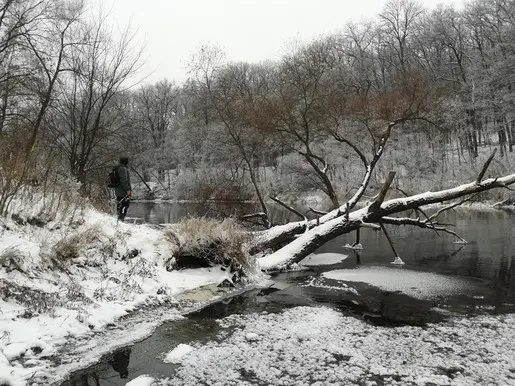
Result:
[440,279]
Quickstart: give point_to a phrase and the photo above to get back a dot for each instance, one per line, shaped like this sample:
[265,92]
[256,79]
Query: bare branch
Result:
[370,225]
[360,154]
[420,224]
[315,211]
[261,215]
[389,239]
[449,207]
[291,209]
[485,166]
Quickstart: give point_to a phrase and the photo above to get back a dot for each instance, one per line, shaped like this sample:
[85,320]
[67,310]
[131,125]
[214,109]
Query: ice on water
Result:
[422,285]
[320,346]
[316,259]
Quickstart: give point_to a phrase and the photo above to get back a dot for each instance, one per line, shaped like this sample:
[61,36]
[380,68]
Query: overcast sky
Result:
[247,30]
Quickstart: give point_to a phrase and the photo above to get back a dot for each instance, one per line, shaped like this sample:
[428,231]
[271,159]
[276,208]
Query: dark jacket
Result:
[125,182]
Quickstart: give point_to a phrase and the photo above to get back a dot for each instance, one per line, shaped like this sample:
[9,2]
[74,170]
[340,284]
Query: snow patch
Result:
[142,380]
[323,259]
[15,351]
[321,282]
[8,380]
[107,269]
[353,246]
[176,355]
[252,336]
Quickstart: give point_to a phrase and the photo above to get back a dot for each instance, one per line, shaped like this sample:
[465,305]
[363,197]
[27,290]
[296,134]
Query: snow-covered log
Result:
[369,216]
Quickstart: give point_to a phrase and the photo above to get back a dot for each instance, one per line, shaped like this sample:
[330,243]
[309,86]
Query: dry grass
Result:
[71,246]
[217,243]
[11,259]
[67,248]
[60,204]
[36,301]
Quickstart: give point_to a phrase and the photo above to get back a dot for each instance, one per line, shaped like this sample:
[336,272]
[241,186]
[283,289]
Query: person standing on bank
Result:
[123,190]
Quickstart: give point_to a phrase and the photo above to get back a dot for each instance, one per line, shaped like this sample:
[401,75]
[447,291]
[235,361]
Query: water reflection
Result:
[110,368]
[147,356]
[120,362]
[172,212]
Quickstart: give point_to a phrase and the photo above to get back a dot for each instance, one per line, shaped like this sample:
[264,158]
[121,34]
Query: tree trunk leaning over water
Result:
[284,234]
[371,216]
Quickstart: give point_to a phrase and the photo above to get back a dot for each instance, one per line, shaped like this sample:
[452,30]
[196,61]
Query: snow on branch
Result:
[415,201]
[313,238]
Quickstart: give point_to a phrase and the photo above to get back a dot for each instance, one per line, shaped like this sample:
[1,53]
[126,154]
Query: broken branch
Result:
[286,206]
[485,166]
[373,209]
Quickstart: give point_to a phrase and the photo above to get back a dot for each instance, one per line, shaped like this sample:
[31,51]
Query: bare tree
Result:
[158,108]
[37,41]
[235,91]
[156,114]
[399,18]
[301,83]
[17,19]
[86,117]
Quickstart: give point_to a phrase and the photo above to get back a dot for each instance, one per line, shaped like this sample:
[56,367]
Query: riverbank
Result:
[70,294]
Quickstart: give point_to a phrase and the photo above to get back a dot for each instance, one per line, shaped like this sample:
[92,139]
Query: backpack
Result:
[113,180]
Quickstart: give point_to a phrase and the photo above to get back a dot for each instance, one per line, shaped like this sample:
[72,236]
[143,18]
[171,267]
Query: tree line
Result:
[423,91]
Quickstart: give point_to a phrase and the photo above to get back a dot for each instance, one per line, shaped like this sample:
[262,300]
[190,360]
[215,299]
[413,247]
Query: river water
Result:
[440,279]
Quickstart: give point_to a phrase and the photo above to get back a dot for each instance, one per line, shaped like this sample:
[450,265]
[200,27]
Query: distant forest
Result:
[426,93]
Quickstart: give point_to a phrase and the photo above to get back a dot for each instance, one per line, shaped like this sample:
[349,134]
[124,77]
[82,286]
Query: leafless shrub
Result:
[118,289]
[67,249]
[70,247]
[141,267]
[75,293]
[210,184]
[211,241]
[38,205]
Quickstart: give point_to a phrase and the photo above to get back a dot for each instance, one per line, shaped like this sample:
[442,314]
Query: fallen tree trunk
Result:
[369,216]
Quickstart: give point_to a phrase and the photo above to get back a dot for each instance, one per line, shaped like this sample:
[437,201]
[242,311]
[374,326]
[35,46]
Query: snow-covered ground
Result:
[320,346]
[70,294]
[80,288]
